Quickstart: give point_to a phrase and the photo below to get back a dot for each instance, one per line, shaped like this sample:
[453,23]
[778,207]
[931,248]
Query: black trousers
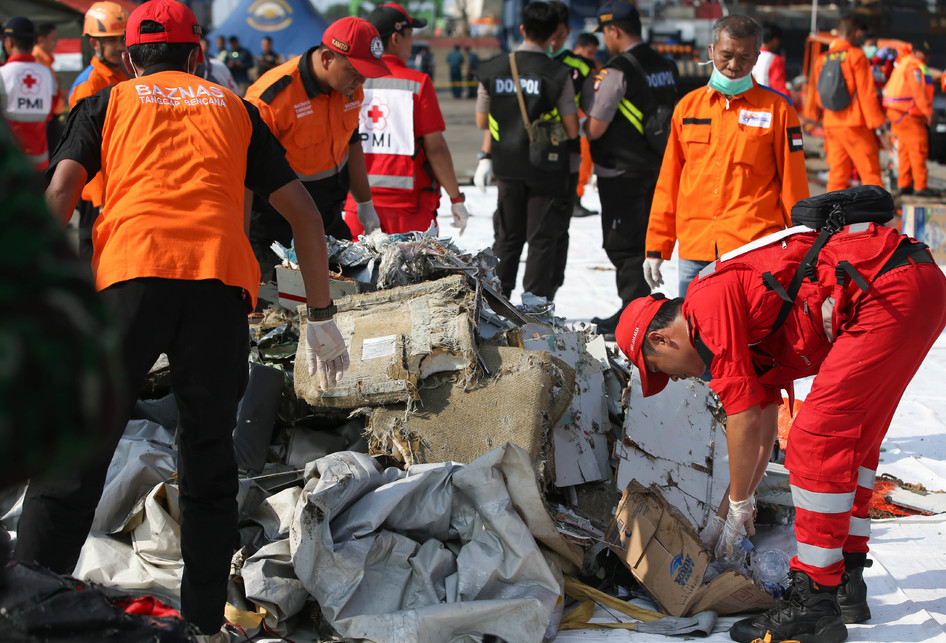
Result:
[202,327]
[533,212]
[625,208]
[558,278]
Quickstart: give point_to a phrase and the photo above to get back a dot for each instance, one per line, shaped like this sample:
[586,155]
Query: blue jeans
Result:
[688,271]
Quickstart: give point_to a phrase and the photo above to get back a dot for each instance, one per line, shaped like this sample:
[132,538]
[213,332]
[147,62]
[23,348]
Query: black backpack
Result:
[832,88]
[829,213]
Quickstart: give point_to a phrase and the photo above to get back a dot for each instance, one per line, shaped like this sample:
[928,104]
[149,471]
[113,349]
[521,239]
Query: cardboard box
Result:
[925,220]
[666,556]
[292,290]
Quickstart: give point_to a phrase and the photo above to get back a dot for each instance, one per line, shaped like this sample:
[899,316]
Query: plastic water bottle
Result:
[738,561]
[770,571]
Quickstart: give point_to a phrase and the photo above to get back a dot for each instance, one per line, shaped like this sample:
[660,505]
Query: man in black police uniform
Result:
[580,69]
[534,205]
[618,104]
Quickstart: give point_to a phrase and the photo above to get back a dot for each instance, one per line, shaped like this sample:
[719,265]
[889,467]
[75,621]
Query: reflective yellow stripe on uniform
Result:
[632,114]
[493,128]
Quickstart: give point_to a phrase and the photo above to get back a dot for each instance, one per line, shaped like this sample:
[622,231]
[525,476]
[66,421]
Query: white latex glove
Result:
[738,521]
[711,532]
[484,174]
[460,215]
[325,351]
[652,272]
[368,217]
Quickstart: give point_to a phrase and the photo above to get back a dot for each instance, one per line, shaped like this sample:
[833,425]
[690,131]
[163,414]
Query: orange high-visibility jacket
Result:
[909,90]
[864,109]
[731,173]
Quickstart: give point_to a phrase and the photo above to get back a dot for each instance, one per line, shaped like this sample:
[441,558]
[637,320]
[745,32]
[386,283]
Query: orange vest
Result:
[909,90]
[59,105]
[173,164]
[99,77]
[314,127]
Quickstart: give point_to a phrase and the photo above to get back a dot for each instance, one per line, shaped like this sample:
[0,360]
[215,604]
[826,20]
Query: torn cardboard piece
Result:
[457,421]
[678,444]
[395,339]
[666,556]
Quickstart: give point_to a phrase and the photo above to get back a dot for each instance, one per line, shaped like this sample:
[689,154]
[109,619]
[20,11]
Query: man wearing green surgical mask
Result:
[734,165]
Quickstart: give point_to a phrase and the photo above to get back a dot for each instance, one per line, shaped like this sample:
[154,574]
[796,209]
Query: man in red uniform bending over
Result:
[864,326]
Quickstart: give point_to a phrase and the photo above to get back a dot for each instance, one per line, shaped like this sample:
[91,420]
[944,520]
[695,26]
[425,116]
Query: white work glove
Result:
[738,521]
[460,215]
[652,272]
[368,217]
[325,352]
[711,532]
[484,174]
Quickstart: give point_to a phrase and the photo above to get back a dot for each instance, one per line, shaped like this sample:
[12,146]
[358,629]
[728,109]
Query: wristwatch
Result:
[461,198]
[321,314]
[483,155]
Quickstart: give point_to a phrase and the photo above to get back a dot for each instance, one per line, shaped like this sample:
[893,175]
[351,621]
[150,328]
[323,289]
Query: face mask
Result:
[729,86]
[553,54]
[870,51]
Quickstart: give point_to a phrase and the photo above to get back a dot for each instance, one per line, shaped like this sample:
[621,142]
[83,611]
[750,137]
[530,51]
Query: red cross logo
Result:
[30,82]
[375,114]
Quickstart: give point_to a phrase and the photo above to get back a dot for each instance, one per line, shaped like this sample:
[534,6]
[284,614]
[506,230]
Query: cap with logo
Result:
[391,17]
[19,27]
[359,41]
[180,24]
[630,334]
[617,11]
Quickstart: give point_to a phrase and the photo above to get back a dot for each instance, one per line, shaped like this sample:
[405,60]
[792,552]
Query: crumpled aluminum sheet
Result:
[440,552]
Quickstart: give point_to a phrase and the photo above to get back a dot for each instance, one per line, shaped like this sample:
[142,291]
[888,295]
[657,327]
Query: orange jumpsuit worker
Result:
[908,98]
[851,133]
[105,27]
[312,103]
[734,164]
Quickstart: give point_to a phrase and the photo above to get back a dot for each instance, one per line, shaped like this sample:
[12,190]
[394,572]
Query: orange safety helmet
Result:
[105,19]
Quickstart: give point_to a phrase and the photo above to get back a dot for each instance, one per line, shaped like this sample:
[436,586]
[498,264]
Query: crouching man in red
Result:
[863,319]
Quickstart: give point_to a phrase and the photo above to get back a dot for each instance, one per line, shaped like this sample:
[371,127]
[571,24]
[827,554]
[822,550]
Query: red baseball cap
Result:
[630,334]
[359,41]
[179,22]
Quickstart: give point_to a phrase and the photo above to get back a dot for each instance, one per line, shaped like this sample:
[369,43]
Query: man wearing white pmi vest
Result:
[401,128]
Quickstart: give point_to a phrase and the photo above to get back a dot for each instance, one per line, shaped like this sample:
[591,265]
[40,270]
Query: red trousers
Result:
[393,220]
[834,443]
[847,147]
[913,148]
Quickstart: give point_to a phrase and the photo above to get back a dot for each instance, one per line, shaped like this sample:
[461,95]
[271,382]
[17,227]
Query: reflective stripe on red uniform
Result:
[731,173]
[882,336]
[315,127]
[94,78]
[27,90]
[178,130]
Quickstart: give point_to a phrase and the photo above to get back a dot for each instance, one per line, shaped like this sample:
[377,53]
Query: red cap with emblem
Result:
[359,41]
[630,334]
[180,24]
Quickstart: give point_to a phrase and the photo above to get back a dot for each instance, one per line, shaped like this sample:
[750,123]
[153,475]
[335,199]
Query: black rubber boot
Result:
[852,594]
[608,325]
[810,614]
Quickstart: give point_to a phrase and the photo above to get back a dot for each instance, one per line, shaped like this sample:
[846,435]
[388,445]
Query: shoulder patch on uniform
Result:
[795,139]
[271,91]
[599,77]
